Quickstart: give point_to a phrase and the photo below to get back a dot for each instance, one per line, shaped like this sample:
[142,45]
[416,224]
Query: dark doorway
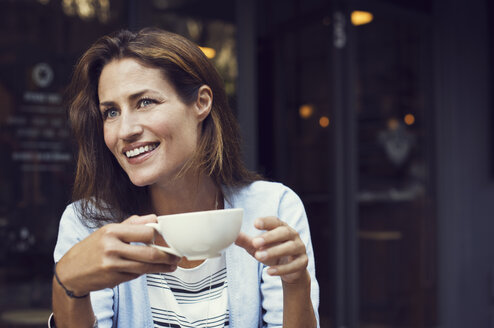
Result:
[345,120]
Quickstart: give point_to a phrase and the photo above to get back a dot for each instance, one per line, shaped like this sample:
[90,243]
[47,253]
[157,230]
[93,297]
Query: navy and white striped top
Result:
[195,297]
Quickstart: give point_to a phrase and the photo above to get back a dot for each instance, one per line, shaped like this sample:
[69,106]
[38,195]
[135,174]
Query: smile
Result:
[140,150]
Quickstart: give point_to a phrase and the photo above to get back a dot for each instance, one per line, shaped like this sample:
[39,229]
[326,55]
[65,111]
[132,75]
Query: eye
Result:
[144,102]
[110,113]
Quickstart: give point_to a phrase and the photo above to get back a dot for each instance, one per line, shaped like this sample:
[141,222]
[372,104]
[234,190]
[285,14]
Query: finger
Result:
[136,219]
[245,242]
[289,248]
[137,259]
[277,235]
[299,263]
[129,233]
[268,223]
[139,268]
[147,254]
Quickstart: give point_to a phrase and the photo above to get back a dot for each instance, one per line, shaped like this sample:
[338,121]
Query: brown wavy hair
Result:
[103,188]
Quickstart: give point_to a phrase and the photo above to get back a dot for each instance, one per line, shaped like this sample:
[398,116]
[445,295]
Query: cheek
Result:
[191,135]
[109,139]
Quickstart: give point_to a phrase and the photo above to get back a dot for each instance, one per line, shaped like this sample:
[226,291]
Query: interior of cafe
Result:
[377,113]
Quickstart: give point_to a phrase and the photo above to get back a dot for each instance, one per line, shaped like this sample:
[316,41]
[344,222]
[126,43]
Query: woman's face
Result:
[149,130]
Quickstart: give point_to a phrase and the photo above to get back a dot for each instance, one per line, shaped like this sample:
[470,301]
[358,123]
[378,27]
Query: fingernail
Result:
[260,224]
[272,271]
[258,241]
[261,255]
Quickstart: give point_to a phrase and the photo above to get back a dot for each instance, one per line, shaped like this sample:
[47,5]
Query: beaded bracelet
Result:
[67,291]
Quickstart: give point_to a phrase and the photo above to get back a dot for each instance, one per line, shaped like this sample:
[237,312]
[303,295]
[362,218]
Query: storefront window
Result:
[40,42]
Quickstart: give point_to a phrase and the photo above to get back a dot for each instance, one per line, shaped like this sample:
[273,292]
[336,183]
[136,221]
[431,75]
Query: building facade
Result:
[378,113]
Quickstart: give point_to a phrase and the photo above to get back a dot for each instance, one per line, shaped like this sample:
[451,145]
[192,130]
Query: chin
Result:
[141,181]
[139,184]
[144,179]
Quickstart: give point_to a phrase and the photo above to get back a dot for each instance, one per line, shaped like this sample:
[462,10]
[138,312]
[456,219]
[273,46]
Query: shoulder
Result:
[74,214]
[89,213]
[71,230]
[77,220]
[259,190]
[264,198]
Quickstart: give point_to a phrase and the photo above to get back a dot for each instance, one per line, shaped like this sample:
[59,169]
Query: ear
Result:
[204,102]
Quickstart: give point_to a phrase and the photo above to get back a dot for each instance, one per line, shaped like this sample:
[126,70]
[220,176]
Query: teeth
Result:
[137,151]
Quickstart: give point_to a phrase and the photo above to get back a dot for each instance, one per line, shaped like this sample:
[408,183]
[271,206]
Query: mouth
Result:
[141,150]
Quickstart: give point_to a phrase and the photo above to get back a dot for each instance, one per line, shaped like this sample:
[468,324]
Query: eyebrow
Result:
[132,97]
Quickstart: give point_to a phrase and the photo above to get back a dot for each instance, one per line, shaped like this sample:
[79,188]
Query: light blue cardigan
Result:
[255,298]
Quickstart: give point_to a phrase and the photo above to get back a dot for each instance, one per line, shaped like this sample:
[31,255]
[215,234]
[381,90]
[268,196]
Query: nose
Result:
[130,126]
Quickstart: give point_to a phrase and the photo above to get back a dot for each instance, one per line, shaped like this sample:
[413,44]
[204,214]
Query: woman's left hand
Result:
[279,247]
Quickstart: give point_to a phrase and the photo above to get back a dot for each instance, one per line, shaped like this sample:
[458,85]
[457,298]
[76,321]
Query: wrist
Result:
[301,282]
[71,293]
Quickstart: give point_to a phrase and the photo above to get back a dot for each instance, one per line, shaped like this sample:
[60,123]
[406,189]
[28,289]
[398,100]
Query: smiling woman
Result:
[156,119]
[218,150]
[156,137]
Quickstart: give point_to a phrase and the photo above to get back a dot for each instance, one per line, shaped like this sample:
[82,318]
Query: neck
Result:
[188,194]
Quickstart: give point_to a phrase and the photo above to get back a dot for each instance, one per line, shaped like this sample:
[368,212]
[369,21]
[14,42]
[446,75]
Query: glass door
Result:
[39,44]
[396,219]
[345,120]
[295,118]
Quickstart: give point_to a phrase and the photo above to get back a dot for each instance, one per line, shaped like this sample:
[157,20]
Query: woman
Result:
[156,135]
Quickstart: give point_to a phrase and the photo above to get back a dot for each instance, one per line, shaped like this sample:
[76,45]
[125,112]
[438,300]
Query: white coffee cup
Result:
[199,235]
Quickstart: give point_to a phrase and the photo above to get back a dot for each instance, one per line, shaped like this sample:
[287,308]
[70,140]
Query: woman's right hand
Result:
[106,258]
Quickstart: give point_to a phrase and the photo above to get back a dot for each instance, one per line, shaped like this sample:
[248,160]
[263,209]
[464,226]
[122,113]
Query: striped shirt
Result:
[187,298]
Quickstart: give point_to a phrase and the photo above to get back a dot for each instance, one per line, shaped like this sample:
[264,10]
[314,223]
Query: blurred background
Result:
[378,113]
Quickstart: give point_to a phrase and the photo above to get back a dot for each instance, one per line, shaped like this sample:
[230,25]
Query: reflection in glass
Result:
[396,219]
[39,44]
